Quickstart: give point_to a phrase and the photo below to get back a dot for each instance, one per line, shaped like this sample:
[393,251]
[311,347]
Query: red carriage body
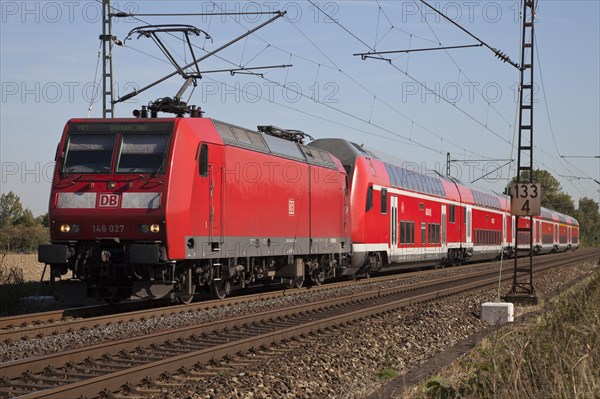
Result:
[403,216]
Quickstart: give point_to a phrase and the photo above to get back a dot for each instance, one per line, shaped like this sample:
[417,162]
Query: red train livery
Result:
[148,208]
[151,207]
[403,216]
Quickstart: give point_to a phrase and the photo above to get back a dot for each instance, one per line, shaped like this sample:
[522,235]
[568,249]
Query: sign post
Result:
[525,203]
[526,199]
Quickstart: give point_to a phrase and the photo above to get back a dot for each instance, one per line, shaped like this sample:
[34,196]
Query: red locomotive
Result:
[150,208]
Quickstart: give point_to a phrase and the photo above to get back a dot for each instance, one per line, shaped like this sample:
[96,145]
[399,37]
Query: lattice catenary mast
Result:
[522,287]
[107,39]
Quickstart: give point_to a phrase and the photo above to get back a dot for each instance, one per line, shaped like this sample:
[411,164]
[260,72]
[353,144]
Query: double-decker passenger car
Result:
[552,232]
[400,215]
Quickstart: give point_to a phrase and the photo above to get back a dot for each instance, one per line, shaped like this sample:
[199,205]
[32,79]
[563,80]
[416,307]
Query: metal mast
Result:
[522,287]
[108,106]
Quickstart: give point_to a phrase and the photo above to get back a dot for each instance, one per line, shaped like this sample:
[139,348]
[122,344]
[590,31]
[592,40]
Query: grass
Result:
[555,356]
[13,288]
[388,372]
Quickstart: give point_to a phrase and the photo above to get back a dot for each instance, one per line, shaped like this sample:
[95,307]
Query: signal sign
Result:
[526,199]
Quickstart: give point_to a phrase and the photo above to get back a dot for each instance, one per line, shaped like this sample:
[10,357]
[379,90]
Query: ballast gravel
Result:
[345,362]
[113,332]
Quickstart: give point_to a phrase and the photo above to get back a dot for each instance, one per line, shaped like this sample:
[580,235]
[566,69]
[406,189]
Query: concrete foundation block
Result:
[497,312]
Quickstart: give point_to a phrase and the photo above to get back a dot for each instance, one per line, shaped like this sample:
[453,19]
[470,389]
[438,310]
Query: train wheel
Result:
[296,282]
[220,288]
[317,277]
[182,293]
[183,297]
[113,300]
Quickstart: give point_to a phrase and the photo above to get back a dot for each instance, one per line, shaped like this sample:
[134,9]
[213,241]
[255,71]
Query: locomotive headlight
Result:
[144,228]
[74,228]
[65,228]
[155,228]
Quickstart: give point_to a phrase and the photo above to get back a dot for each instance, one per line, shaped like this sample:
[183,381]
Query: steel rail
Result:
[113,381]
[46,323]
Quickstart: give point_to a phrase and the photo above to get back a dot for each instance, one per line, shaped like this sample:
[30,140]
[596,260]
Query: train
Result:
[148,208]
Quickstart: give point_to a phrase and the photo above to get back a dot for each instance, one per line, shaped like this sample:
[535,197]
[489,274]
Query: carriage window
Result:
[89,153]
[402,232]
[384,200]
[452,213]
[369,198]
[203,161]
[433,233]
[142,153]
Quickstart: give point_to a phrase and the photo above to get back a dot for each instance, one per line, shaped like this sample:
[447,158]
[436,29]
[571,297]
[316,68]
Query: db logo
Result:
[108,201]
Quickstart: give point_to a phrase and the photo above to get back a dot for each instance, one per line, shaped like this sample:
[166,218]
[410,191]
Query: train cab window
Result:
[369,199]
[452,214]
[384,200]
[89,153]
[203,161]
[142,153]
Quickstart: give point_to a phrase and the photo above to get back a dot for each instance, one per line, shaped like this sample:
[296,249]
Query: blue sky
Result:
[49,54]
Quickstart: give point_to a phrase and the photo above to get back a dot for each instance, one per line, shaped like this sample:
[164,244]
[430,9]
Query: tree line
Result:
[553,197]
[20,231]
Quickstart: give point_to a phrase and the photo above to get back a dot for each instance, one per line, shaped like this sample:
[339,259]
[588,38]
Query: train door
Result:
[393,225]
[469,223]
[503,231]
[444,228]
[212,157]
[555,233]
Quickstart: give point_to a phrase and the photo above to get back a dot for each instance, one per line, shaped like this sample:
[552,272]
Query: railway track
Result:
[108,366]
[35,325]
